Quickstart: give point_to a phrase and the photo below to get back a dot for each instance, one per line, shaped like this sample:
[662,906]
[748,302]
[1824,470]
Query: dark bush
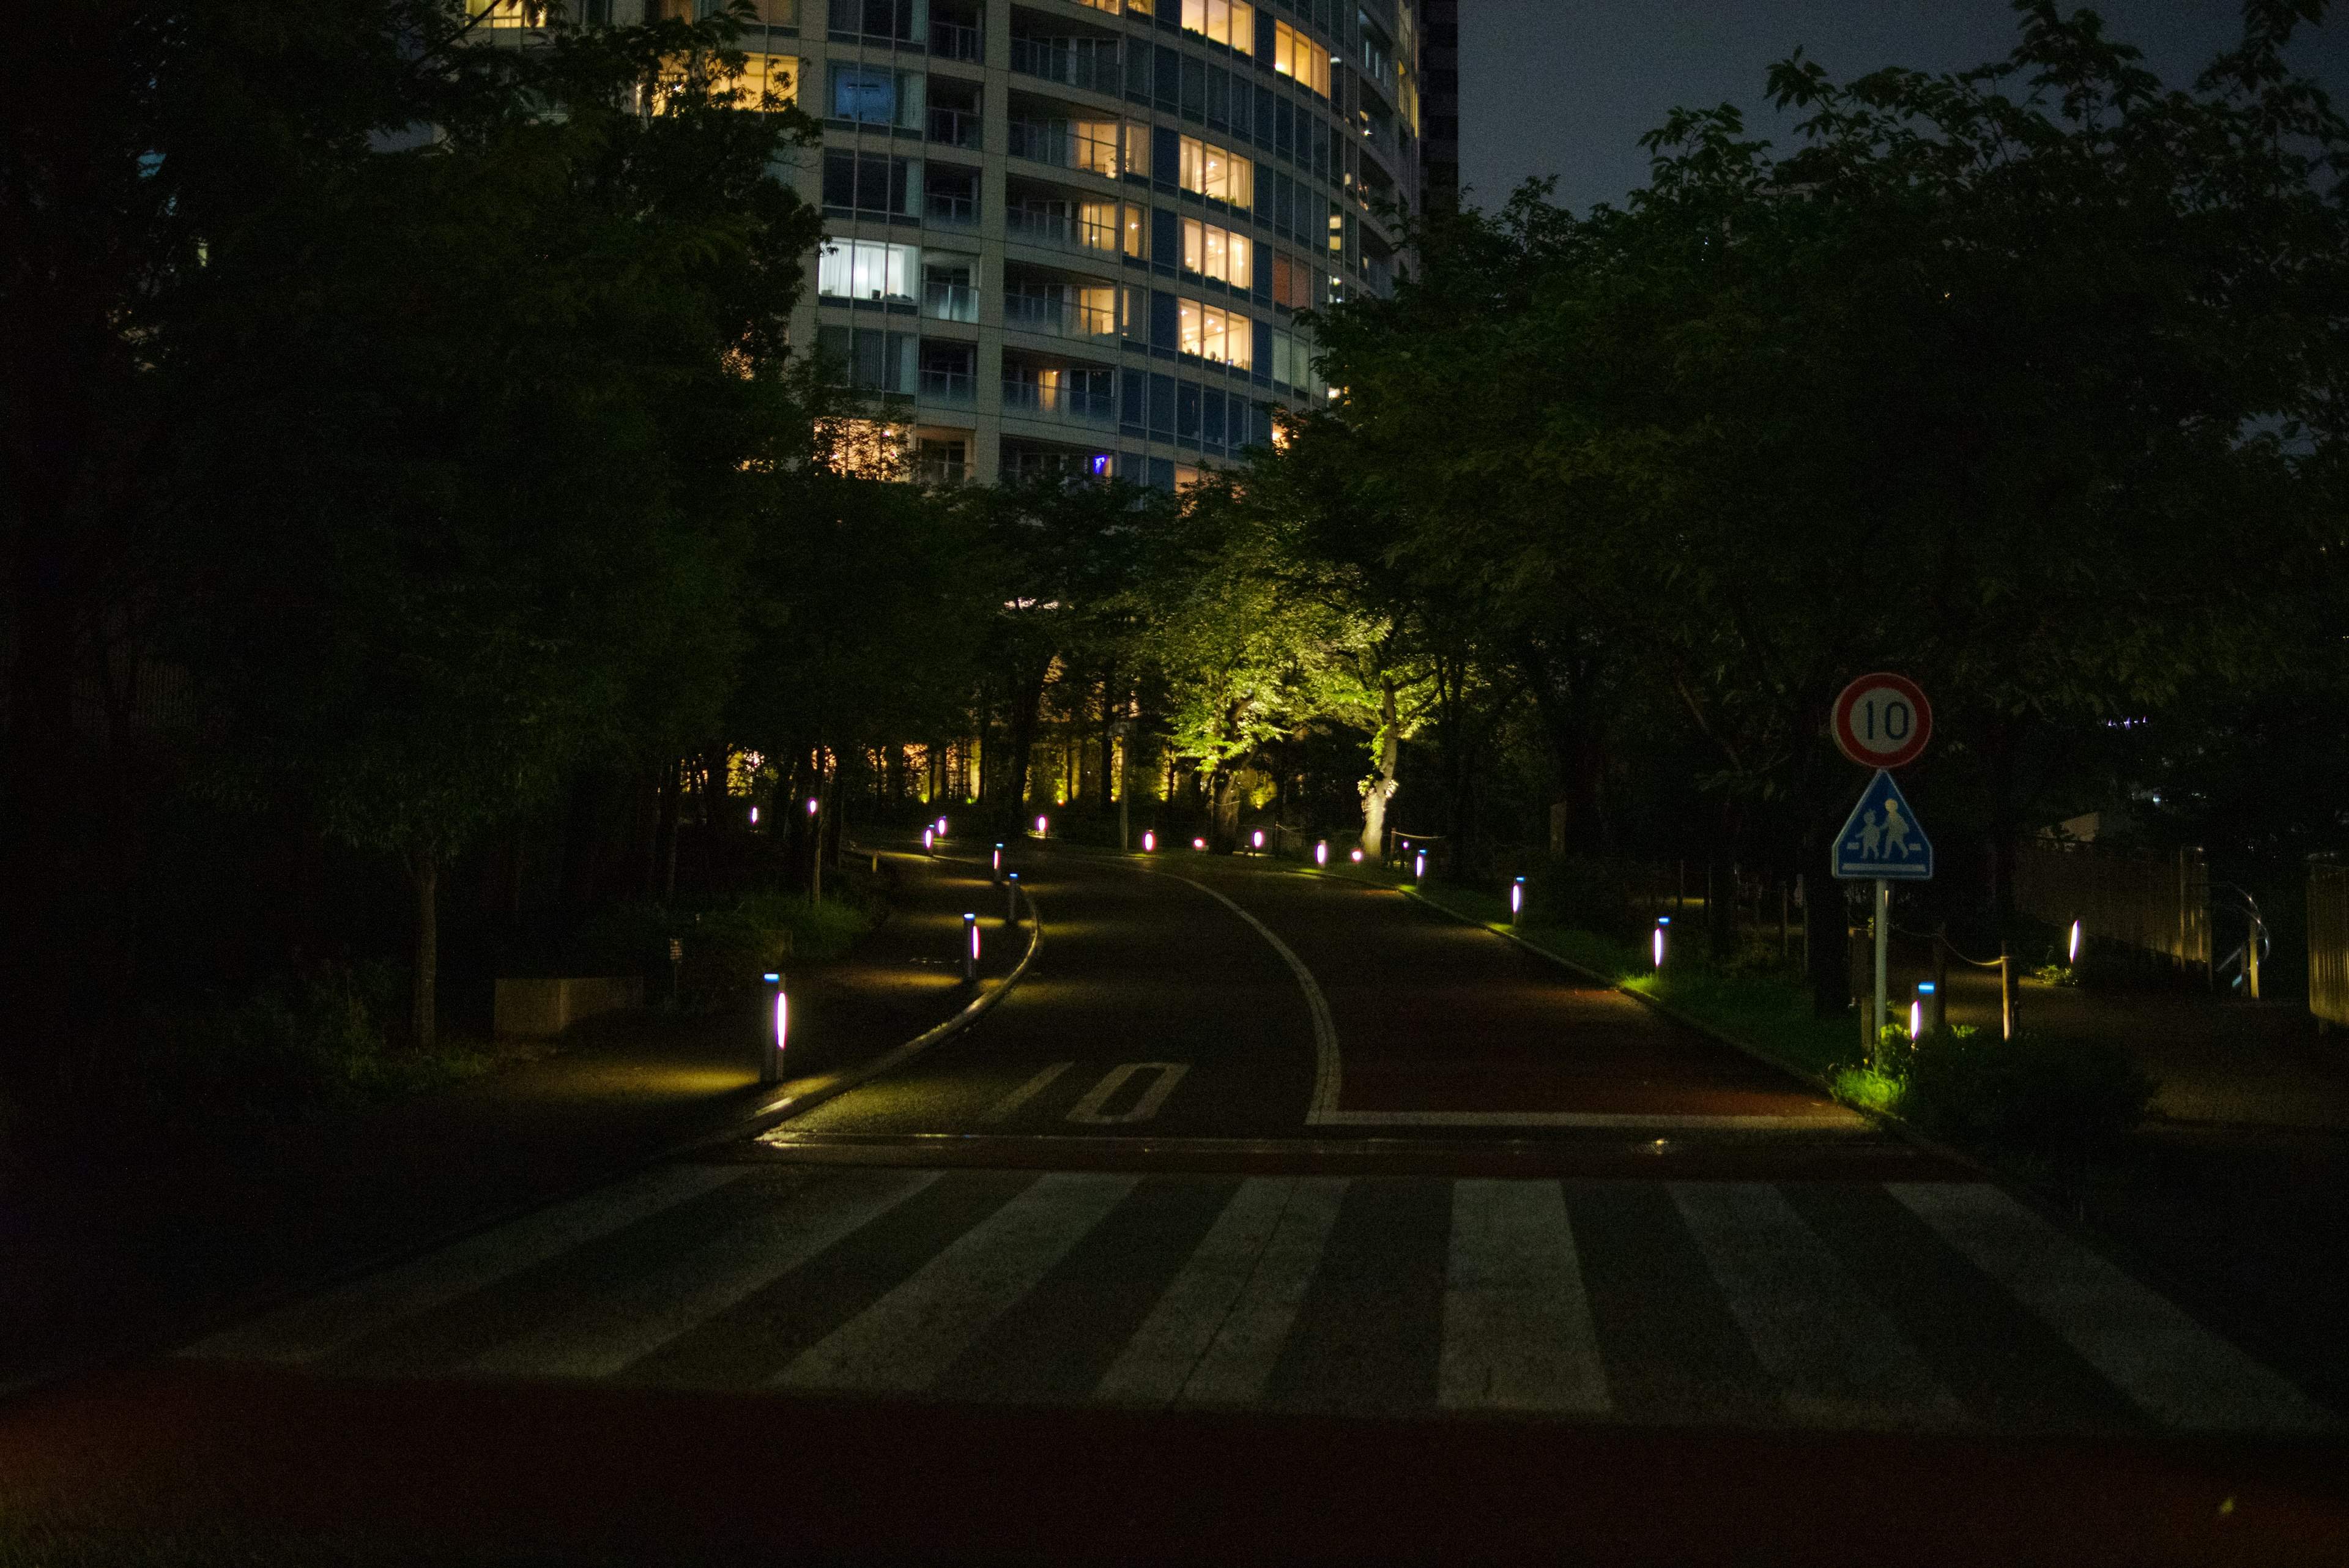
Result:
[2062,1101]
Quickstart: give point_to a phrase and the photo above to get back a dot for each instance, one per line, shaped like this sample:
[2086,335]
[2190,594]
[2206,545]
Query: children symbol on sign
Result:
[1896,831]
[1871,834]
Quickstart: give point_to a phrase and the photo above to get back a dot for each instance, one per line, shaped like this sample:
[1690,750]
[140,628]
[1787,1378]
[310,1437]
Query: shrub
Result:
[297,1044]
[727,945]
[2062,1101]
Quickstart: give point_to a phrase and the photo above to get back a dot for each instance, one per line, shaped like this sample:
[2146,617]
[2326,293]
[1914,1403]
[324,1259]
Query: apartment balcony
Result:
[950,302]
[1068,144]
[950,210]
[1093,63]
[939,471]
[1058,317]
[1049,401]
[951,42]
[955,128]
[949,388]
[1043,226]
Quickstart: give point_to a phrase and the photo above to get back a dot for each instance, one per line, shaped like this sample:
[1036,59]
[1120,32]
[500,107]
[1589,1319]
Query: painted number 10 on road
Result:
[1882,722]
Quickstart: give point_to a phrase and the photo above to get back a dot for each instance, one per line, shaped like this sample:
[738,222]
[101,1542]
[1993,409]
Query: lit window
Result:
[1292,284]
[1295,55]
[1096,146]
[1137,221]
[1218,172]
[1211,332]
[867,269]
[1229,22]
[1292,361]
[1137,149]
[1218,254]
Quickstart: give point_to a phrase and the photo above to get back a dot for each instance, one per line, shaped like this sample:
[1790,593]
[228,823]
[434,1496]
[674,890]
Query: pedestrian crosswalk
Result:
[1919,1306]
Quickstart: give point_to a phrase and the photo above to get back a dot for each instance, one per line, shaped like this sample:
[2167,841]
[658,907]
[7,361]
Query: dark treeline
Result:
[2027,382]
[423,542]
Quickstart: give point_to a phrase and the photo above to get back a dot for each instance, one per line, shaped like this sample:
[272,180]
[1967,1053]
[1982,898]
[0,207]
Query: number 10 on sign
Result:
[1882,720]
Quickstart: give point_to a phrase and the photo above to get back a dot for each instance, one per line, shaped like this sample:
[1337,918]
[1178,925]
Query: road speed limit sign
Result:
[1883,721]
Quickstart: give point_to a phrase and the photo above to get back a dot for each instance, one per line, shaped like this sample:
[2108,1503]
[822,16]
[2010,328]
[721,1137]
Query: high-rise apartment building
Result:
[1073,235]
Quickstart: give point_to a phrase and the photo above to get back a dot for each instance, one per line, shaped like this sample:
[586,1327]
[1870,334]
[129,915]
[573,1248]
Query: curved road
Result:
[1272,1218]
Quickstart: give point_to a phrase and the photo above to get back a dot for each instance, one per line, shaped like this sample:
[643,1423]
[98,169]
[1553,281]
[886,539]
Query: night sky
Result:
[1565,88]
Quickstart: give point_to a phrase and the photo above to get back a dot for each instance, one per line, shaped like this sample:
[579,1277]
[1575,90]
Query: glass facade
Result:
[1074,236]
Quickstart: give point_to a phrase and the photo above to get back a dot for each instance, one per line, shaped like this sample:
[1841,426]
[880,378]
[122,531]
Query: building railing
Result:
[1088,63]
[947,208]
[937,471]
[955,128]
[951,42]
[1085,405]
[1046,226]
[950,302]
[958,387]
[1060,317]
[1066,144]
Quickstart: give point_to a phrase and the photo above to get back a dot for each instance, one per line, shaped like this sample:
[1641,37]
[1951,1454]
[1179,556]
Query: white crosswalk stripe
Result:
[794,1274]
[1217,1330]
[326,1324]
[1516,1327]
[610,1330]
[2177,1371]
[1837,1359]
[904,1341]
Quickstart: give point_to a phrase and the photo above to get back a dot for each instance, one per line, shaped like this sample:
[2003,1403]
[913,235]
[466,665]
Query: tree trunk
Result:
[1383,787]
[424,871]
[1227,813]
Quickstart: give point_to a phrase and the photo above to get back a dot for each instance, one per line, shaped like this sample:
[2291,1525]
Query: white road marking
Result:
[1216,1332]
[1170,1074]
[1026,1092]
[1327,1071]
[902,1343]
[323,1325]
[1835,1357]
[613,1328]
[1517,1333]
[1825,1117]
[2174,1369]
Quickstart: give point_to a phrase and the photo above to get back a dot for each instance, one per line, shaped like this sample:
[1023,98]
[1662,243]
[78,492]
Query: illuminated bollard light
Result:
[1043,828]
[1011,909]
[1322,852]
[1256,841]
[754,816]
[1921,1009]
[970,947]
[1149,841]
[2072,954]
[774,1030]
[941,827]
[1517,900]
[996,871]
[929,841]
[1198,844]
[1656,944]
[1419,867]
[811,805]
[1358,858]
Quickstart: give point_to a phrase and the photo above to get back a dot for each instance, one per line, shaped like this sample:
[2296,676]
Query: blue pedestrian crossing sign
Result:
[1881,838]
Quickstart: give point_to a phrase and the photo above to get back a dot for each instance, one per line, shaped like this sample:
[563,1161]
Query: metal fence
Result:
[2157,903]
[2328,942]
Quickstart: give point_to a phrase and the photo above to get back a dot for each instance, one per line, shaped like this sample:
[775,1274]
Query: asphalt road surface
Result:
[1249,1146]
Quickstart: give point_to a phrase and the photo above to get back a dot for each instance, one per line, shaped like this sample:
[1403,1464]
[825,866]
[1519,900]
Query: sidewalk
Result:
[120,1257]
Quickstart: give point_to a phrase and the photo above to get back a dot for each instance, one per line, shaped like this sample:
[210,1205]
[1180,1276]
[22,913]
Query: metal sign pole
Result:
[1883,942]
